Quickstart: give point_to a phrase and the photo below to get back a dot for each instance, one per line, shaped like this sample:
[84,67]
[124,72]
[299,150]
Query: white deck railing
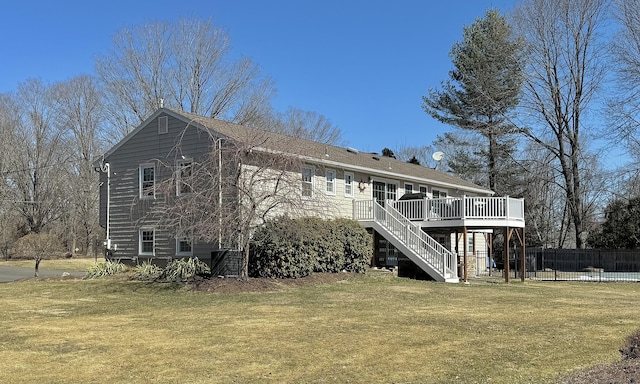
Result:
[460,208]
[410,234]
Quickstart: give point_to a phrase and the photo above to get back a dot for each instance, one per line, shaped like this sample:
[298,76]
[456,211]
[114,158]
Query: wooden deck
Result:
[451,212]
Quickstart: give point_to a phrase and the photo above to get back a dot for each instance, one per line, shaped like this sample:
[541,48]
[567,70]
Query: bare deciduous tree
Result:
[184,65]
[306,125]
[78,109]
[564,71]
[625,106]
[234,189]
[37,162]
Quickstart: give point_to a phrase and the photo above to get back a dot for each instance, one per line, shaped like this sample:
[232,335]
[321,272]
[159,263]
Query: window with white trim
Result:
[146,245]
[408,188]
[392,191]
[470,241]
[348,184]
[184,246]
[307,182]
[183,176]
[331,181]
[423,190]
[147,181]
[436,194]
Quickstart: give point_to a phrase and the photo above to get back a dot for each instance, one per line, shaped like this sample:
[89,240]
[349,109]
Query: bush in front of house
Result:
[357,243]
[181,270]
[278,250]
[292,248]
[104,269]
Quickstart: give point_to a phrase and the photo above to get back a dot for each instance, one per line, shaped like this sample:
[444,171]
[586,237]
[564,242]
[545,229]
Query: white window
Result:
[147,181]
[184,246]
[392,191]
[408,188]
[147,244]
[436,194]
[331,181]
[348,184]
[183,176]
[423,190]
[307,182]
[470,242]
[163,124]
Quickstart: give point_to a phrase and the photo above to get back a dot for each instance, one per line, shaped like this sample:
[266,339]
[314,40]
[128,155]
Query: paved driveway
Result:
[17,273]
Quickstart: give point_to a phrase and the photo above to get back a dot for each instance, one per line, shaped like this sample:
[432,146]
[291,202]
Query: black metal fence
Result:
[577,265]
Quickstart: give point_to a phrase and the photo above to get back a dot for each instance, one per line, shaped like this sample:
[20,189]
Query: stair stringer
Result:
[409,239]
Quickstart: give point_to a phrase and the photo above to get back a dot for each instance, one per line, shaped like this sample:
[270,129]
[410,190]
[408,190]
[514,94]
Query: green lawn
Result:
[374,329]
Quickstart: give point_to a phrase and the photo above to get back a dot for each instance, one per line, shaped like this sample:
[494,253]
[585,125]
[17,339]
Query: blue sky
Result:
[364,64]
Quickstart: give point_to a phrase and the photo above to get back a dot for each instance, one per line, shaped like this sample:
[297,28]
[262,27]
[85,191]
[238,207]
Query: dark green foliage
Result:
[483,87]
[185,269]
[621,230]
[104,269]
[631,349]
[292,248]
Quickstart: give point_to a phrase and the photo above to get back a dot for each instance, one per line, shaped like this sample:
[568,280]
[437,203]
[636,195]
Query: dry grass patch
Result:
[75,264]
[376,329]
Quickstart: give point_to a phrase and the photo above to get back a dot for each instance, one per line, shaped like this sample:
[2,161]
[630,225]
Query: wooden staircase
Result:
[423,250]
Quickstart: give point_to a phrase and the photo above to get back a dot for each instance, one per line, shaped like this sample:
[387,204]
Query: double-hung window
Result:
[307,182]
[331,181]
[436,194]
[183,176]
[408,188]
[146,245]
[147,181]
[184,246]
[348,184]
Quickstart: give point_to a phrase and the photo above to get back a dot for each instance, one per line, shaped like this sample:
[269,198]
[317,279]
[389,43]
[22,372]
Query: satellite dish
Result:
[437,156]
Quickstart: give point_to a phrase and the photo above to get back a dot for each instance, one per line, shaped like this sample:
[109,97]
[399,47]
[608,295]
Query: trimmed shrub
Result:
[631,349]
[358,246]
[147,272]
[185,269]
[291,248]
[278,250]
[104,269]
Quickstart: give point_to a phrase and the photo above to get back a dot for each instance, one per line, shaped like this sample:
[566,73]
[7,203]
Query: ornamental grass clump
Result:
[104,269]
[182,270]
[147,272]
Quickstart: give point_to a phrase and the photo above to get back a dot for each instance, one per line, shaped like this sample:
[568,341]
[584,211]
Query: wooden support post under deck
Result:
[506,254]
[523,266]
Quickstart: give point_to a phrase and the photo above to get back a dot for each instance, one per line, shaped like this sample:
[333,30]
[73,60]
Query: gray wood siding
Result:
[129,213]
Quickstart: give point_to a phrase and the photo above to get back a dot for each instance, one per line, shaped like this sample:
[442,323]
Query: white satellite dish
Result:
[437,156]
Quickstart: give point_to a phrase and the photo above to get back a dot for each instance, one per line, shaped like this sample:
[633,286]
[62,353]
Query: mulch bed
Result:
[252,284]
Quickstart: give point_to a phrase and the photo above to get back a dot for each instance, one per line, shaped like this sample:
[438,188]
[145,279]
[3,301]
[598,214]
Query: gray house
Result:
[422,220]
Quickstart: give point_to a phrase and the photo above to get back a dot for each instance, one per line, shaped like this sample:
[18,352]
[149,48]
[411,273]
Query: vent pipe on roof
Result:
[352,150]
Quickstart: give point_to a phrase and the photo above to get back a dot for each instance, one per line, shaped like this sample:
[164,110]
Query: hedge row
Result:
[291,248]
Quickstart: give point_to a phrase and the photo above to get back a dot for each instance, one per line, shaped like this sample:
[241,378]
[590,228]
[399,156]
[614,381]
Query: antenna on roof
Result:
[437,156]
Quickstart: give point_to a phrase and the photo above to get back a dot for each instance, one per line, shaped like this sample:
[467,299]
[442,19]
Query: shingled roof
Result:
[330,155]
[319,153]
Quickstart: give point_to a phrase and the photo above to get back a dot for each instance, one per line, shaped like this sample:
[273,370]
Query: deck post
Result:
[506,208]
[464,252]
[505,256]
